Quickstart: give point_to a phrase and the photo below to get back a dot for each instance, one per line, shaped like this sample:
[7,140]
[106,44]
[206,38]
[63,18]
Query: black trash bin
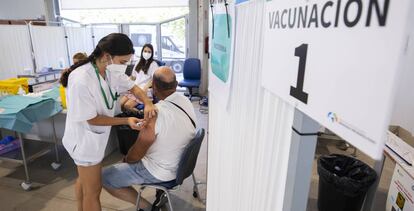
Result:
[343,183]
[126,135]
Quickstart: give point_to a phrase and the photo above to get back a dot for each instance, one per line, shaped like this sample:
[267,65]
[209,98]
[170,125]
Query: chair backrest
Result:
[192,69]
[159,62]
[189,157]
[129,70]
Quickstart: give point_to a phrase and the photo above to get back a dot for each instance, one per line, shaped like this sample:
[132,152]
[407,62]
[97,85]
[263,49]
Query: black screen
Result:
[129,70]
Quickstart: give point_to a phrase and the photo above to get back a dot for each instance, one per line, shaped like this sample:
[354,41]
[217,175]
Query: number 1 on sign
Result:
[297,91]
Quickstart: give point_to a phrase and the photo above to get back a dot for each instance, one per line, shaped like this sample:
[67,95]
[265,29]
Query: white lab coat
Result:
[141,79]
[86,143]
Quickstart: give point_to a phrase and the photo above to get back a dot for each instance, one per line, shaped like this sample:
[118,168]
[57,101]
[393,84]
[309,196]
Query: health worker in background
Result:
[79,57]
[142,75]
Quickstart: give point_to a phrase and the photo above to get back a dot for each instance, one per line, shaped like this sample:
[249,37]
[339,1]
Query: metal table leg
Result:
[55,165]
[27,184]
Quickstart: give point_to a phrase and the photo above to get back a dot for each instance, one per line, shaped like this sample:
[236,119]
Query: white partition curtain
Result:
[15,53]
[101,31]
[79,40]
[249,142]
[50,48]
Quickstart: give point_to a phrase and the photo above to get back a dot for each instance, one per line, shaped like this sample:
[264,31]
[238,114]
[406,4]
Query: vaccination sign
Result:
[338,62]
[222,44]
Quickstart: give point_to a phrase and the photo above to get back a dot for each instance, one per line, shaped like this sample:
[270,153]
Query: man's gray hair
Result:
[164,85]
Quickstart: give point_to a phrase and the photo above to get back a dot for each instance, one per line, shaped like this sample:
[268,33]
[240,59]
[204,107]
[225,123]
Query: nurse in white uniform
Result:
[145,68]
[92,88]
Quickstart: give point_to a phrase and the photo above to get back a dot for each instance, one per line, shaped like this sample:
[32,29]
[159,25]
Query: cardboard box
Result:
[402,133]
[401,191]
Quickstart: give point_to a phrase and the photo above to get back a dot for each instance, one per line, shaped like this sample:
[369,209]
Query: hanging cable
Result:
[227,15]
[212,17]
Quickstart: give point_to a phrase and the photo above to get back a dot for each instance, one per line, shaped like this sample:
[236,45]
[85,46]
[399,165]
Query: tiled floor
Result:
[54,190]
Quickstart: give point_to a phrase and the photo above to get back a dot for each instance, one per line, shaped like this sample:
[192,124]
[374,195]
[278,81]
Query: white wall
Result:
[404,101]
[249,143]
[22,9]
[203,20]
[193,29]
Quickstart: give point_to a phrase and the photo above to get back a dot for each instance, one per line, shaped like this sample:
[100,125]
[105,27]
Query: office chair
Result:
[159,62]
[130,67]
[192,75]
[185,169]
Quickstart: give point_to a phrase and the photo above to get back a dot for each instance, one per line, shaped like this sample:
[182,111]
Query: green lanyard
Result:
[114,97]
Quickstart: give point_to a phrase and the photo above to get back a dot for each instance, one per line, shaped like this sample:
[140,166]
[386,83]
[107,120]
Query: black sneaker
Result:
[161,200]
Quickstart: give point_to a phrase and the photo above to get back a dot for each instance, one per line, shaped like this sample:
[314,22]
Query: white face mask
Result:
[116,67]
[146,55]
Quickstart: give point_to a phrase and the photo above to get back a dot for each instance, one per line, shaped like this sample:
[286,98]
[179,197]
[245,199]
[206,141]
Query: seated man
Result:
[154,158]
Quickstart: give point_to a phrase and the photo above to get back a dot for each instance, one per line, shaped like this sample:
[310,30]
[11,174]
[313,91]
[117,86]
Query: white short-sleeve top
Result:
[141,79]
[85,142]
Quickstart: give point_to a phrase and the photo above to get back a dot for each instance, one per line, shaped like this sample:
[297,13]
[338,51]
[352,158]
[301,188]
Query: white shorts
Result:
[85,163]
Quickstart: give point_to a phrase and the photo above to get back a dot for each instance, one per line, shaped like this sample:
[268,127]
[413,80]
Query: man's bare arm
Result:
[145,139]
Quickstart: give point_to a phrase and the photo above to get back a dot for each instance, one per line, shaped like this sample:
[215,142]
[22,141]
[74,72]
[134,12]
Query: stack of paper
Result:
[400,147]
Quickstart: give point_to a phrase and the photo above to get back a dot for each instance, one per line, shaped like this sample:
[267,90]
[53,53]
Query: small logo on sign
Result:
[333,117]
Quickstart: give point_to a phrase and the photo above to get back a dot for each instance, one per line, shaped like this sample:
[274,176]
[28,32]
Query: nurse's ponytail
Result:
[116,44]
